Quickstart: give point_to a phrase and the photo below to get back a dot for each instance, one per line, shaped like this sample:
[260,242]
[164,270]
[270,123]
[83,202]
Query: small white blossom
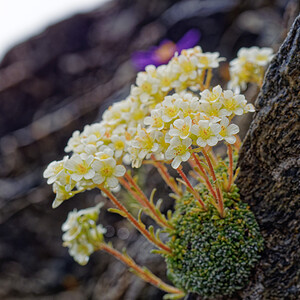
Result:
[228,131]
[80,166]
[181,128]
[178,151]
[206,133]
[107,171]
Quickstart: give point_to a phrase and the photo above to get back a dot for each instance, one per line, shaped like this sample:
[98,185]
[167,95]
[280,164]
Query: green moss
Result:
[211,255]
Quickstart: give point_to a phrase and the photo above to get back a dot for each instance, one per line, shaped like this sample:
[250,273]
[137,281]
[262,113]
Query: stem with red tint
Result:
[145,203]
[230,168]
[140,227]
[213,174]
[204,174]
[193,191]
[143,273]
[166,176]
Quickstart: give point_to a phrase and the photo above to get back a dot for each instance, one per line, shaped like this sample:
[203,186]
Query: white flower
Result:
[80,166]
[232,104]
[170,107]
[185,66]
[61,194]
[178,151]
[106,172]
[118,145]
[145,142]
[228,131]
[155,121]
[208,96]
[75,143]
[181,128]
[147,85]
[209,60]
[54,170]
[206,133]
[81,233]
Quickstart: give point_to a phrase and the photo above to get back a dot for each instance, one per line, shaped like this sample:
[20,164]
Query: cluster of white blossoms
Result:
[249,66]
[183,121]
[164,115]
[82,235]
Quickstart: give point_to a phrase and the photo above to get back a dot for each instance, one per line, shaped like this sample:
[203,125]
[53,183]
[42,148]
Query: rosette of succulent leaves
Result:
[172,117]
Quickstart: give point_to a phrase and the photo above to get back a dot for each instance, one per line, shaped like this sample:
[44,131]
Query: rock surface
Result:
[269,179]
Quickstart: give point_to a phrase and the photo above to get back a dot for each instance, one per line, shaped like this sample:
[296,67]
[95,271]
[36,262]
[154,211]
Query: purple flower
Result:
[164,51]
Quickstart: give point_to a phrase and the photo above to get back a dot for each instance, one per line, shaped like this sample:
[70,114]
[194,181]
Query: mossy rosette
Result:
[213,256]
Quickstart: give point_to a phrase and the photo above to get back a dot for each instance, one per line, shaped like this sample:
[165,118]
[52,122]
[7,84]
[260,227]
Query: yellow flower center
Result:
[107,170]
[223,131]
[230,104]
[147,87]
[185,129]
[179,150]
[204,60]
[104,156]
[82,168]
[205,133]
[119,145]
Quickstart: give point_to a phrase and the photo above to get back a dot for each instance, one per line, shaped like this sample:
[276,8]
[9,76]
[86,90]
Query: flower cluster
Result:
[249,66]
[82,236]
[100,149]
[183,120]
[172,115]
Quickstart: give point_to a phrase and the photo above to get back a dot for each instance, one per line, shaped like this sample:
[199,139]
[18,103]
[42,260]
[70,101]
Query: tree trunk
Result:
[269,176]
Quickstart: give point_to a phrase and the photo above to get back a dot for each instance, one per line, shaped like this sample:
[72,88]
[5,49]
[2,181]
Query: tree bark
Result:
[269,174]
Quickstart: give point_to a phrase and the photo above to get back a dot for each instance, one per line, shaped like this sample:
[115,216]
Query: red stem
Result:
[133,221]
[208,184]
[144,203]
[142,273]
[194,192]
[166,176]
[230,169]
[219,193]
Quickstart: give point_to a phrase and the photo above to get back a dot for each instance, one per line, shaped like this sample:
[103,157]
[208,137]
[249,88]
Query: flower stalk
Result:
[141,198]
[189,185]
[137,224]
[230,168]
[143,273]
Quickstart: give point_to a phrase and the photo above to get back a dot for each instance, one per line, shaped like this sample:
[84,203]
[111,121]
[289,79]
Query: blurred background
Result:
[69,61]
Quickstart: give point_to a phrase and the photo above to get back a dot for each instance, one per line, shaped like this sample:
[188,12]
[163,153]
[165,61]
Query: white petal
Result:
[98,178]
[233,129]
[112,181]
[201,142]
[90,174]
[176,162]
[119,171]
[230,139]
[212,141]
[186,156]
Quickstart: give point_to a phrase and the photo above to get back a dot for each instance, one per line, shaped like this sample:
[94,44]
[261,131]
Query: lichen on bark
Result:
[269,174]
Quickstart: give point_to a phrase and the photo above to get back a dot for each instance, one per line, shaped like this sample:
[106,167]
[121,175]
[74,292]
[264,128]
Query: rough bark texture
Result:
[270,172]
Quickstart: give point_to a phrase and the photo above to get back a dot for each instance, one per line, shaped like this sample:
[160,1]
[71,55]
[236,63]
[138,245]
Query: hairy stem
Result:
[219,192]
[230,168]
[166,176]
[138,225]
[143,273]
[152,210]
[189,185]
[204,174]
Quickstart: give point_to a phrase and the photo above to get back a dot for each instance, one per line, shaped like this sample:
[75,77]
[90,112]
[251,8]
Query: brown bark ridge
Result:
[269,174]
